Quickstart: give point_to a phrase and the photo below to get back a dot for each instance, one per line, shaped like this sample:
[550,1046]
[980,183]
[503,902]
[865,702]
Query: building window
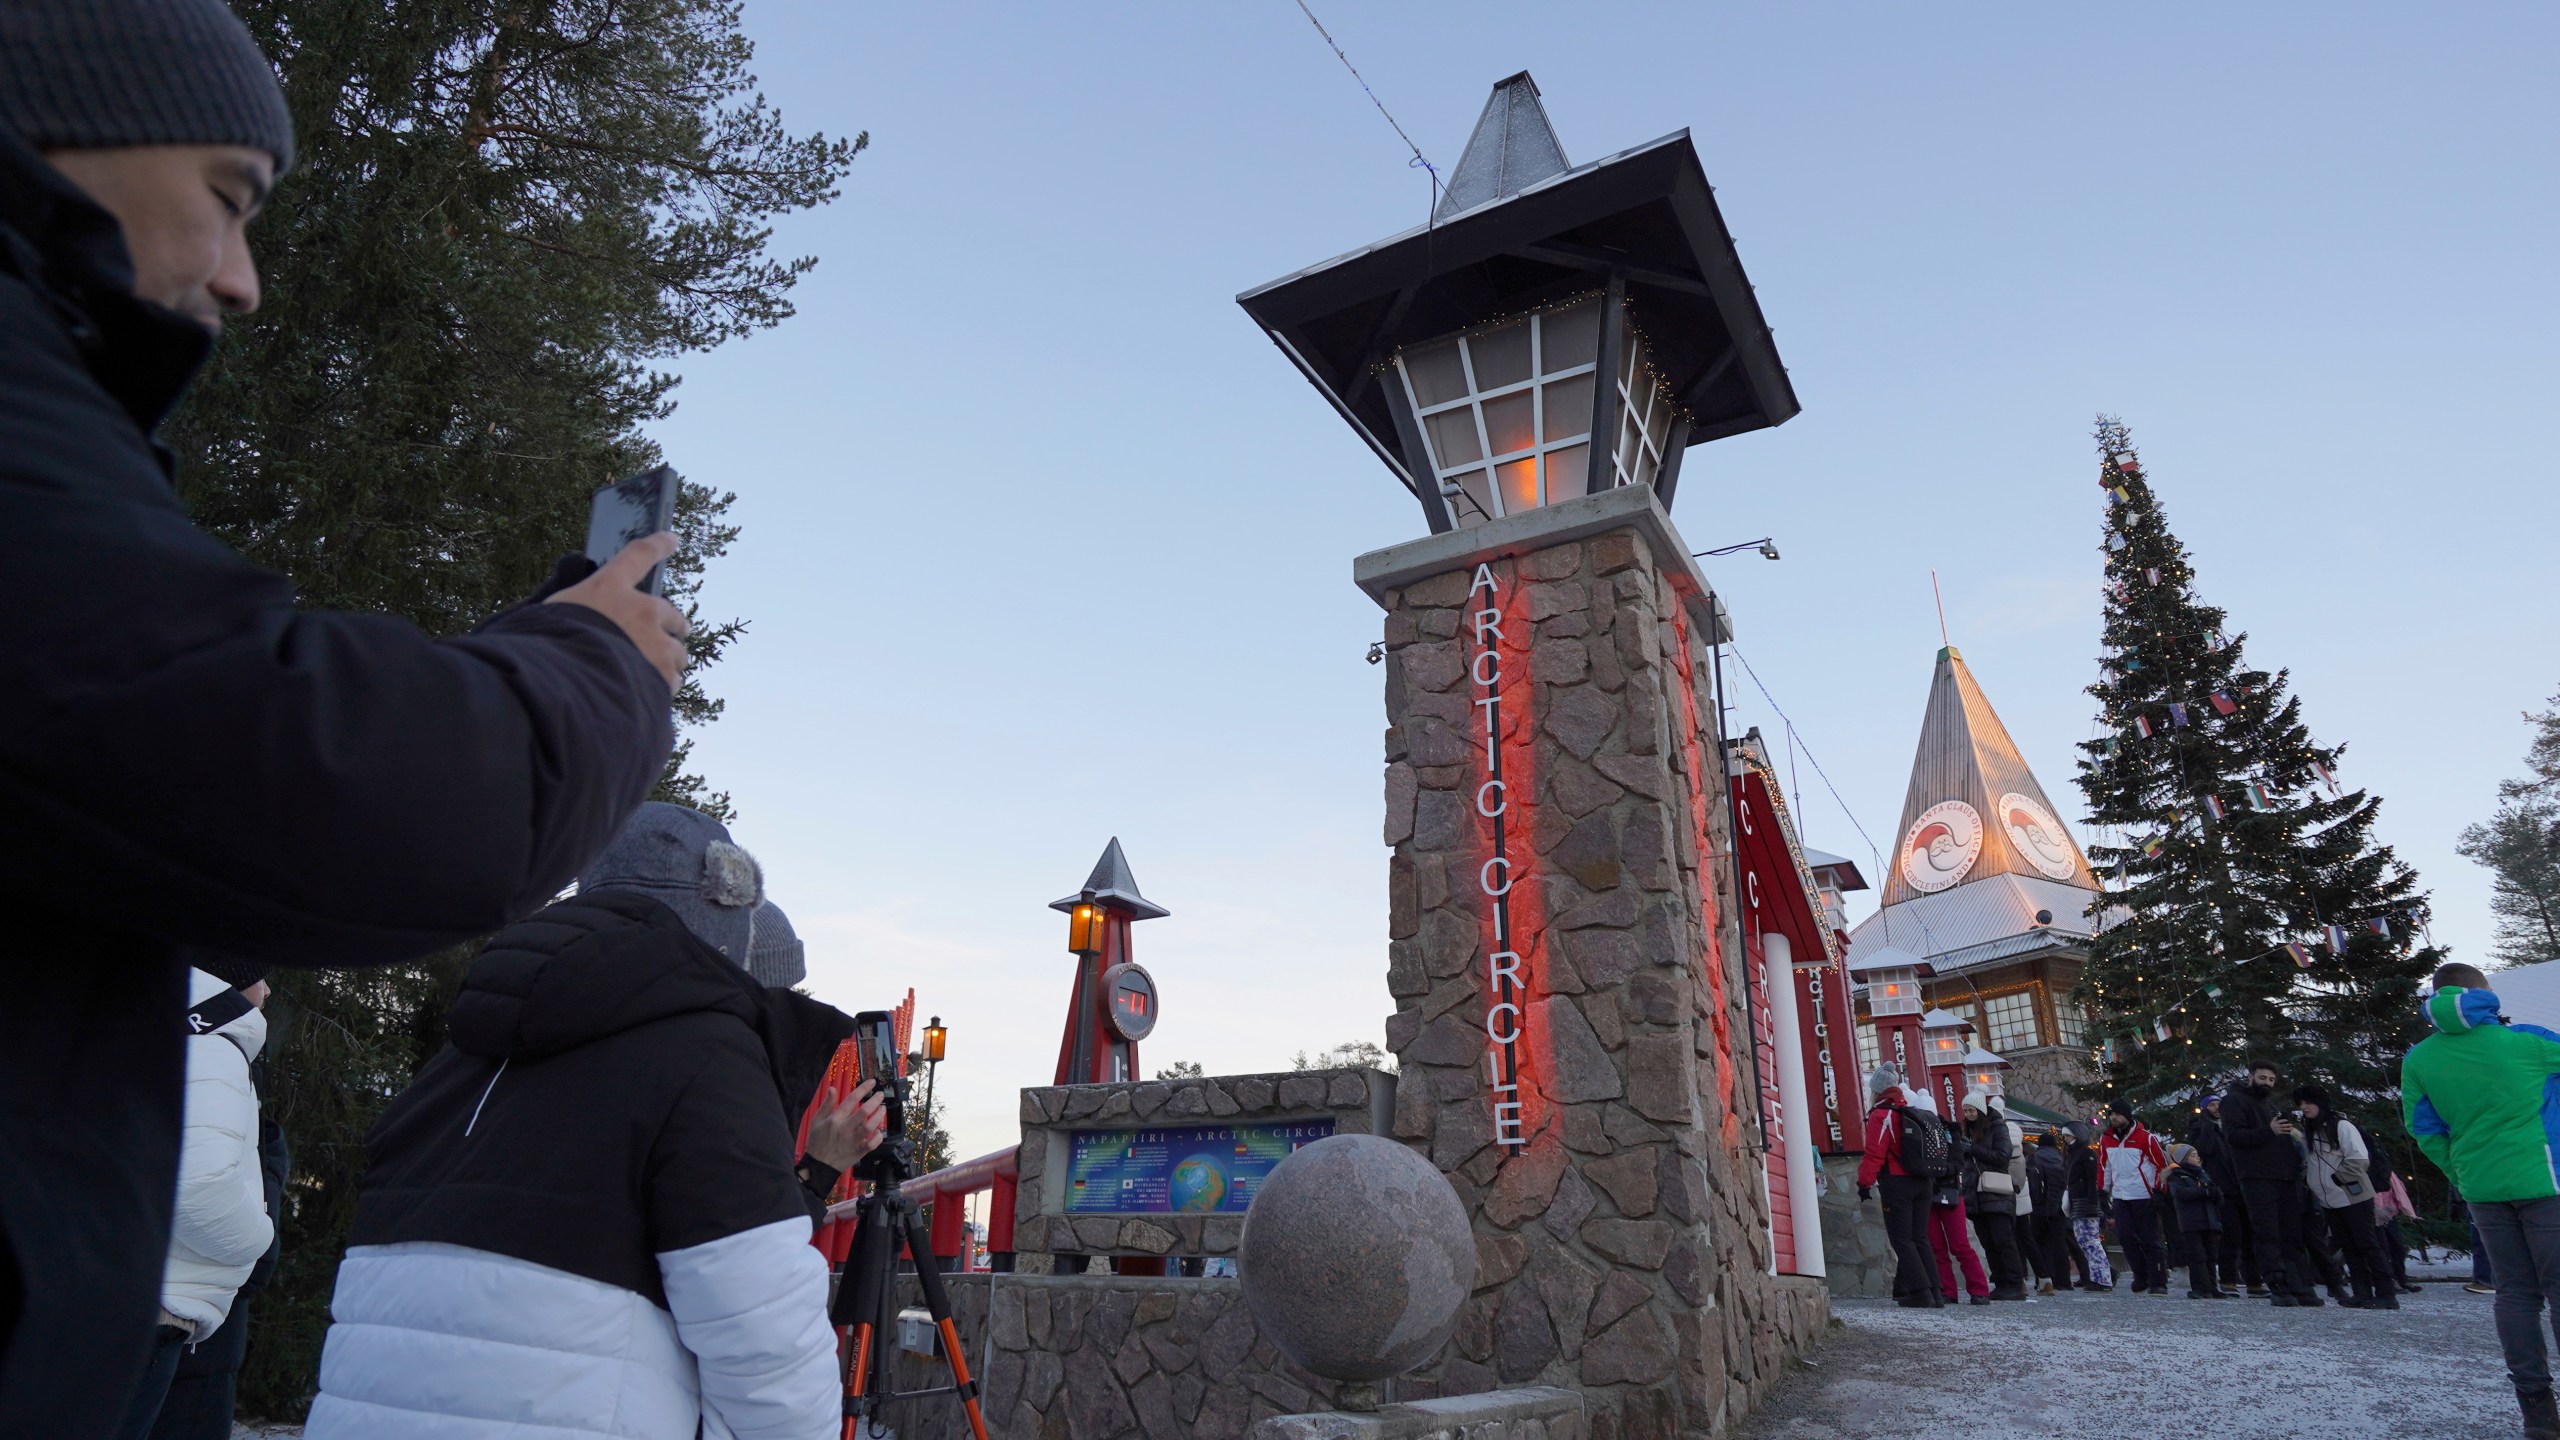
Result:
[2009,1021]
[1506,412]
[1870,1053]
[2069,1019]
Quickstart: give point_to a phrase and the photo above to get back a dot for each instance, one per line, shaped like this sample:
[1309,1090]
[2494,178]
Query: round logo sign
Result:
[1129,997]
[1942,845]
[2038,836]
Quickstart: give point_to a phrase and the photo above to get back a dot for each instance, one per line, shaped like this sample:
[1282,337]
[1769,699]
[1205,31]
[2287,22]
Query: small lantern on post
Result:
[1891,979]
[1942,1039]
[1982,1071]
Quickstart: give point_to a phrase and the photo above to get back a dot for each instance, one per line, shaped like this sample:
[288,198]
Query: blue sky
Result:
[1044,543]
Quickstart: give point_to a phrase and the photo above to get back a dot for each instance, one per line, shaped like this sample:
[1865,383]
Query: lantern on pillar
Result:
[1113,1005]
[1942,1039]
[1553,331]
[1891,979]
[1982,1071]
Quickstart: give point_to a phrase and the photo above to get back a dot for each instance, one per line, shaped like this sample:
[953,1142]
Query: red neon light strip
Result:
[1706,870]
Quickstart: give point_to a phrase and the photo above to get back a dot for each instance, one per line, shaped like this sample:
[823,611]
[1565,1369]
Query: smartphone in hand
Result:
[642,505]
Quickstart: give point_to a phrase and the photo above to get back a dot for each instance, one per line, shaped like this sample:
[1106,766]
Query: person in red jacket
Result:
[2131,1164]
[1906,1196]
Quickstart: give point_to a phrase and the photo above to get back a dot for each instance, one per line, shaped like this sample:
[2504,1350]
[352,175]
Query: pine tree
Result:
[2236,843]
[2520,845]
[503,218]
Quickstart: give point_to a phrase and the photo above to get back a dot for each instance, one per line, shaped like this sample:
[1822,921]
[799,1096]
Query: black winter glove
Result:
[1866,1192]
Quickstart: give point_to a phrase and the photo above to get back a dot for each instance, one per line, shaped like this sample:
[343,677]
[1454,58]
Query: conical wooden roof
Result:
[1974,809]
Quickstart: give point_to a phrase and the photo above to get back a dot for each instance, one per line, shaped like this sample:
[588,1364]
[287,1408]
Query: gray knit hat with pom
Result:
[105,74]
[685,860]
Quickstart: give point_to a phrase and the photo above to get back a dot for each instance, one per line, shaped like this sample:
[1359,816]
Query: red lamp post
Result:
[1113,1005]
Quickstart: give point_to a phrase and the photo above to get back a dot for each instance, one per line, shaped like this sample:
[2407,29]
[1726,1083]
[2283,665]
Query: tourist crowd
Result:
[2272,1193]
[2259,1199]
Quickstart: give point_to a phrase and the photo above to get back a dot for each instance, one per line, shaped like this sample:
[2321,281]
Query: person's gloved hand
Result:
[1866,1193]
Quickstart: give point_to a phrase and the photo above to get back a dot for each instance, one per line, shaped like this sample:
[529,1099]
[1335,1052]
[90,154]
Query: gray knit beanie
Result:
[686,861]
[104,74]
[777,959]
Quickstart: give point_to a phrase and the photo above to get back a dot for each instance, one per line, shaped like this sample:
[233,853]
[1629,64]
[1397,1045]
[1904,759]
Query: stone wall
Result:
[1357,1101]
[1855,1253]
[1623,1249]
[2042,1077]
[1074,1357]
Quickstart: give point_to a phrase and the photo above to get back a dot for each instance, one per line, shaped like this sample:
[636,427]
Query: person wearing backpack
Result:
[1948,1239]
[1992,1198]
[1905,1183]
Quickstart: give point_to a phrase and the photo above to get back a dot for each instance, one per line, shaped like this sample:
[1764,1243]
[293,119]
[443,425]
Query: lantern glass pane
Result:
[1569,337]
[1453,437]
[1501,356]
[1437,375]
[1568,473]
[1511,422]
[1519,479]
[1473,504]
[1568,408]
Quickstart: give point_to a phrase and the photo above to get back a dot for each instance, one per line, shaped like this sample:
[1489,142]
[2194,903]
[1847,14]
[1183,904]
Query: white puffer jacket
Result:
[222,1225]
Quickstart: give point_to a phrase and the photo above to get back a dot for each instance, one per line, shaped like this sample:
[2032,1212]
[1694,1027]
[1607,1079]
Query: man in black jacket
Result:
[2235,1254]
[601,1164]
[186,759]
[2271,1186]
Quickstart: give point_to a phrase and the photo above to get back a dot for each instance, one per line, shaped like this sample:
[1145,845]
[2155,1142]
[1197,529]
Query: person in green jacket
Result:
[2481,1099]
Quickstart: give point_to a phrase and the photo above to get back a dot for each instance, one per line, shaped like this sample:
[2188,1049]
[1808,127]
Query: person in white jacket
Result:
[222,1226]
[2338,1166]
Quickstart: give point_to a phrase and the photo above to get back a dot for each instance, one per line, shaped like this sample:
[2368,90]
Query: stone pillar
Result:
[1570,1007]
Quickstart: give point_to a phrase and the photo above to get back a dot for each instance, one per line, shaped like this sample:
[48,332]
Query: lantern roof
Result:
[1976,1056]
[1885,957]
[1943,1019]
[1841,871]
[1112,884]
[1516,230]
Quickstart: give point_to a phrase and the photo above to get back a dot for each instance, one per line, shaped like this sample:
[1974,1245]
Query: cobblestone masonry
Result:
[1536,1413]
[1624,1249]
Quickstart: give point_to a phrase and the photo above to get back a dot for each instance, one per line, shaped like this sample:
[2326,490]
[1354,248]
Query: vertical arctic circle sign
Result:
[1942,845]
[2037,835]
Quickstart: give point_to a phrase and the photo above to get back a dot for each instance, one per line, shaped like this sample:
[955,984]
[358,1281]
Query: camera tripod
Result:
[867,1297]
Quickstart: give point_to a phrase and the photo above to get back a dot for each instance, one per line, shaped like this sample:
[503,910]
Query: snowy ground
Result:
[2129,1367]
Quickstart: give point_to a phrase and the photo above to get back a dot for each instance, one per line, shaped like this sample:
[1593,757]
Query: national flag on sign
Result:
[2142,726]
[2378,925]
[2213,806]
[2300,952]
[2260,797]
[2337,938]
[2177,713]
[2152,574]
[2223,702]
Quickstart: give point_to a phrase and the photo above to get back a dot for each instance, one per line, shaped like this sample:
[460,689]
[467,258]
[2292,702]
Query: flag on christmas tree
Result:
[2214,642]
[2160,1027]
[2223,702]
[2107,746]
[2121,493]
[2142,726]
[2378,925]
[2151,573]
[2213,992]
[2300,952]
[2326,778]
[2213,806]
[2177,714]
[2151,848]
[2132,662]
[2337,937]
[2260,797]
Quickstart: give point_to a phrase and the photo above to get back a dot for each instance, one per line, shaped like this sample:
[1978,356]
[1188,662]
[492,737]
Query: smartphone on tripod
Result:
[627,510]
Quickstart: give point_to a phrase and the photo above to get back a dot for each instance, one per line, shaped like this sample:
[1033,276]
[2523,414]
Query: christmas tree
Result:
[2250,913]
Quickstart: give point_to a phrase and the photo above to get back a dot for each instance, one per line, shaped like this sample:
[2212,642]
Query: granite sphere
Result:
[1356,1257]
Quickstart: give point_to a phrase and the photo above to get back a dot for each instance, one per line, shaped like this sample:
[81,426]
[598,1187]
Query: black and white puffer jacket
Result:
[582,1219]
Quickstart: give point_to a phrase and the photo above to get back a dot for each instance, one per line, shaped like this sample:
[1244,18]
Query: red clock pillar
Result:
[1113,1005]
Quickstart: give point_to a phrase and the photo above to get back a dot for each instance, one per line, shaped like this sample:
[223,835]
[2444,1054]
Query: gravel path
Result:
[2127,1367]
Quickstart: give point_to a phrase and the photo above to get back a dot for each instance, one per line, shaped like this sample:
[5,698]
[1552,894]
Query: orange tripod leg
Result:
[960,1377]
